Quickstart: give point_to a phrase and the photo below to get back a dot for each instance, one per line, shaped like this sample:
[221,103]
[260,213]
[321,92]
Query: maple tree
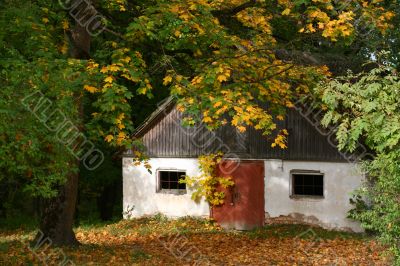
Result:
[222,60]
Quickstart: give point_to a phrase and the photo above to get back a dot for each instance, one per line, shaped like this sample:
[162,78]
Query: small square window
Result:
[168,181]
[308,184]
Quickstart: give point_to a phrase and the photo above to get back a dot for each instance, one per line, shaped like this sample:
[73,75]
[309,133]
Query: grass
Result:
[18,221]
[151,241]
[139,255]
[300,231]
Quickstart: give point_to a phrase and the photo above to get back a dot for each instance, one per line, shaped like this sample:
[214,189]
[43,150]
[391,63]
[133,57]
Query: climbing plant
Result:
[207,185]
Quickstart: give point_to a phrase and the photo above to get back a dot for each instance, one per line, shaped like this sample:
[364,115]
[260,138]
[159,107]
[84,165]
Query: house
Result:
[309,182]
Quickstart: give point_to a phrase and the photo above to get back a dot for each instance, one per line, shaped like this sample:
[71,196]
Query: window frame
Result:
[160,190]
[306,172]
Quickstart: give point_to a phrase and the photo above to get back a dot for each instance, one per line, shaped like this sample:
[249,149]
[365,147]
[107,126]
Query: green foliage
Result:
[301,232]
[367,108]
[219,56]
[208,185]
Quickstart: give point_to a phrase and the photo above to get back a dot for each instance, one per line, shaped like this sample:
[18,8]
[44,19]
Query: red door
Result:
[243,208]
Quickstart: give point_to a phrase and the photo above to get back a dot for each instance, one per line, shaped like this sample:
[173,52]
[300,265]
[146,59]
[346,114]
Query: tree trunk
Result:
[56,225]
[58,216]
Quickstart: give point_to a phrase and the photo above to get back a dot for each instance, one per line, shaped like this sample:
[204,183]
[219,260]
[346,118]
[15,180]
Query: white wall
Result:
[139,190]
[340,179]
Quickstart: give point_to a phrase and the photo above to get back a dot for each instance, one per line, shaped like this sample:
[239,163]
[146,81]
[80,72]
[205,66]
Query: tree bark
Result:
[57,219]
[58,216]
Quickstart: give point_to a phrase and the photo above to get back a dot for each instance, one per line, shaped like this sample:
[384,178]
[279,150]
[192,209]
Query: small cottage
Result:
[309,182]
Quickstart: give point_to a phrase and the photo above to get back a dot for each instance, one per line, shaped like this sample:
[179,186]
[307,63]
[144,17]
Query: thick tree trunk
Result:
[58,216]
[57,219]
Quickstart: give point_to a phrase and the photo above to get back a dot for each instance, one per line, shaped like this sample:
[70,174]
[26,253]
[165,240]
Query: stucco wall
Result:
[340,179]
[139,190]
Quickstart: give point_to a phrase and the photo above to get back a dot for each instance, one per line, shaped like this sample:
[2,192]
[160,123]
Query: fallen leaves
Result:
[151,241]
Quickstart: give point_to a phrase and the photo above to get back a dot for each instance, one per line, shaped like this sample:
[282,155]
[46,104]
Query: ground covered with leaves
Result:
[186,241]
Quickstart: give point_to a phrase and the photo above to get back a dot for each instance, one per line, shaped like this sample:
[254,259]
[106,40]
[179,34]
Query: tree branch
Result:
[232,11]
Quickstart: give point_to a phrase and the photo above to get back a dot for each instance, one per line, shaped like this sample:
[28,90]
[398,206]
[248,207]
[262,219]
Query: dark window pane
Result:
[308,184]
[308,180]
[170,180]
[298,190]
[308,190]
[319,191]
[318,182]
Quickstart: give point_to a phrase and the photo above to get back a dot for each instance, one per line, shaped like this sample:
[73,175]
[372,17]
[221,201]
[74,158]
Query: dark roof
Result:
[164,136]
[163,108]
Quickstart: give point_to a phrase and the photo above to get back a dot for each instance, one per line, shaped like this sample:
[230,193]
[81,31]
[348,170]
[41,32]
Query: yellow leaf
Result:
[104,69]
[207,119]
[64,48]
[179,78]
[126,59]
[241,128]
[167,80]
[286,12]
[310,27]
[217,104]
[222,78]
[197,80]
[109,138]
[65,25]
[177,33]
[90,89]
[109,79]
[113,68]
[45,20]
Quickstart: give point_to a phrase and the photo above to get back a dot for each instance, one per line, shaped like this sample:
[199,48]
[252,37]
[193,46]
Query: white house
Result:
[309,182]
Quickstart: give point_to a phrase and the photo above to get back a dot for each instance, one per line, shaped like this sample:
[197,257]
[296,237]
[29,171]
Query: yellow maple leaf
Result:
[64,48]
[217,104]
[197,80]
[167,80]
[113,68]
[241,128]
[65,24]
[207,119]
[90,89]
[104,69]
[109,79]
[126,59]
[177,33]
[286,12]
[109,138]
[222,78]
